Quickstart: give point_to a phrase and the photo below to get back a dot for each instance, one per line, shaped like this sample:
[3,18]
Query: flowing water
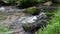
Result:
[15,18]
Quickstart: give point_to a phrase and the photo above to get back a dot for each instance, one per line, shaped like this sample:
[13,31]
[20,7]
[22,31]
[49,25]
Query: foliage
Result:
[28,2]
[54,25]
[24,3]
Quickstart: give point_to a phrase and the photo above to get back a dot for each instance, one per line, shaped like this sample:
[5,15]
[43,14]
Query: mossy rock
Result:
[32,27]
[32,10]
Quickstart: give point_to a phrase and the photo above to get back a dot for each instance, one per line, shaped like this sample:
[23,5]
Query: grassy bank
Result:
[54,25]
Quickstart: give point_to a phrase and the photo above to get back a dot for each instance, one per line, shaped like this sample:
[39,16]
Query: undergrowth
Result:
[54,25]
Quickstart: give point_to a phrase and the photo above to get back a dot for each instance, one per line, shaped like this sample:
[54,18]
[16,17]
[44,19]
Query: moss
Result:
[32,10]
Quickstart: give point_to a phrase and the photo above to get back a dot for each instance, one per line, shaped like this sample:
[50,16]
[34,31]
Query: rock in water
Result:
[32,27]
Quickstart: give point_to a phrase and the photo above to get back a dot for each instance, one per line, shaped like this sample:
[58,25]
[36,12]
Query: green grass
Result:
[54,25]
[4,30]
